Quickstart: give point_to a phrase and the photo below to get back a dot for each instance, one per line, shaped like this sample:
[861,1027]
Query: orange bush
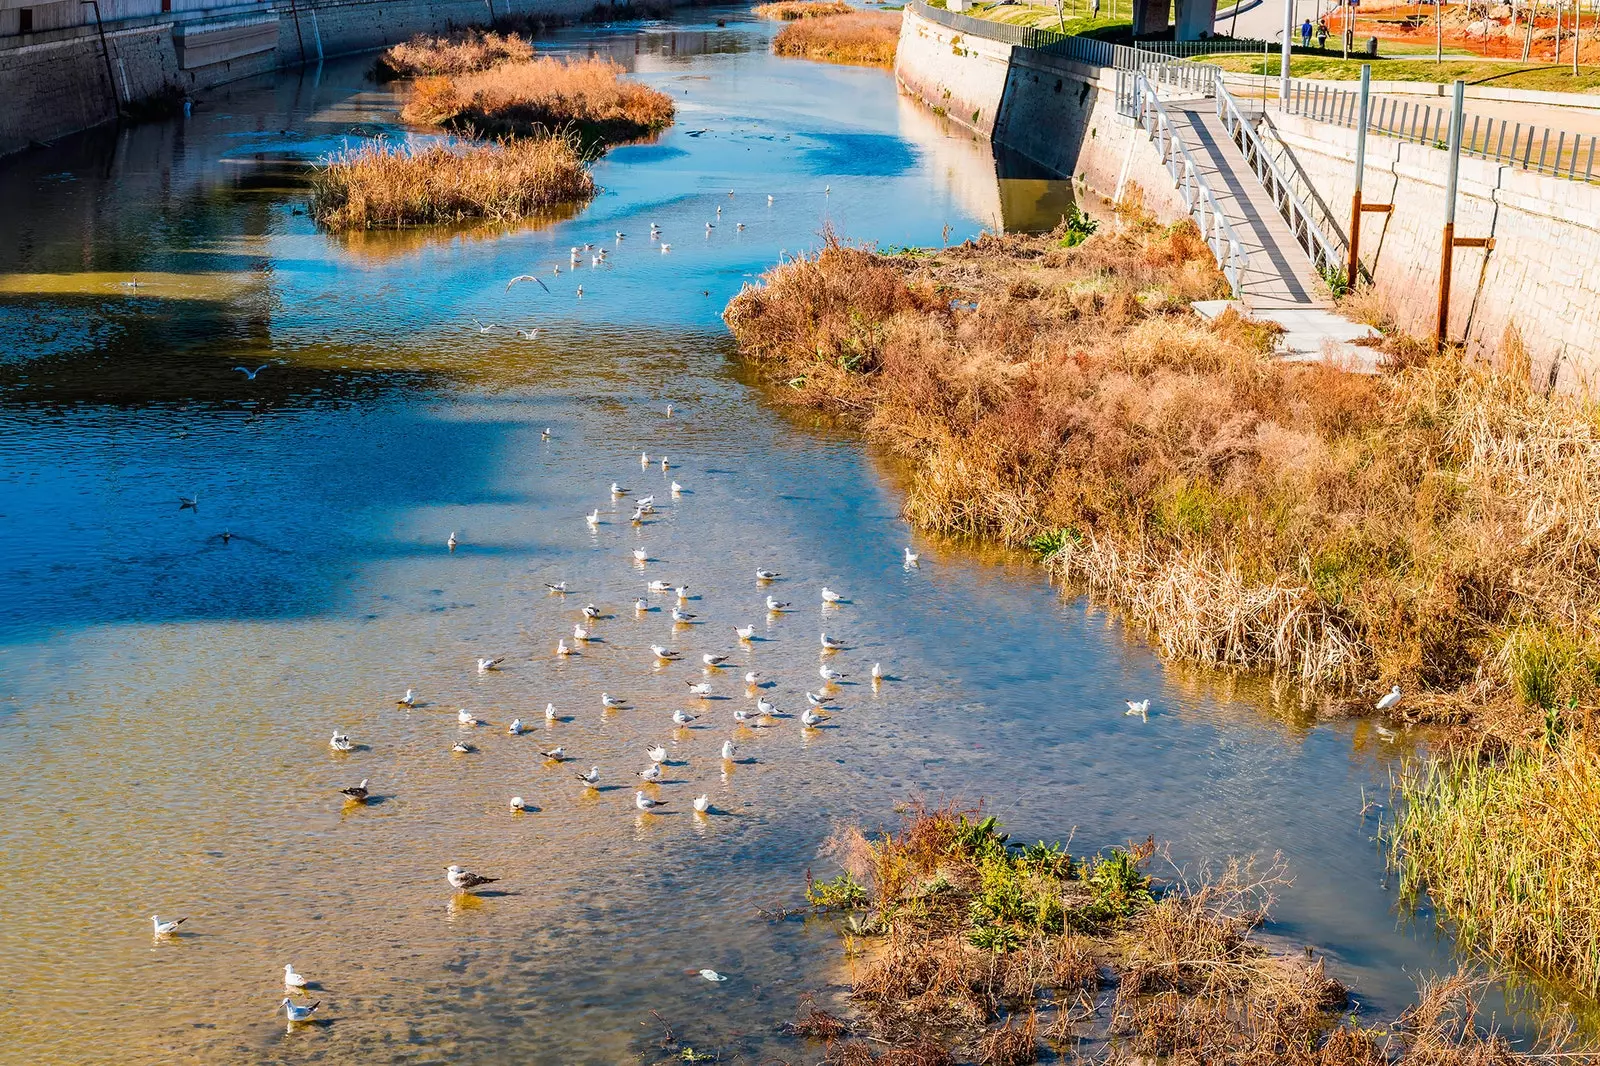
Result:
[866,37]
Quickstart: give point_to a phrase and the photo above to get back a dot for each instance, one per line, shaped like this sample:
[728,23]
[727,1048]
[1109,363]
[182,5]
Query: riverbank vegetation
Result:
[1436,525]
[973,949]
[869,38]
[383,185]
[541,97]
[790,10]
[464,53]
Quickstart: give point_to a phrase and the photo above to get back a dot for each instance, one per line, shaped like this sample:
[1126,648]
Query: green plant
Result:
[842,893]
[996,938]
[1337,281]
[1077,227]
[1119,889]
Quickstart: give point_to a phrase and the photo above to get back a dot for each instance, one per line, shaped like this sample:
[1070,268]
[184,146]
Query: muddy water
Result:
[169,693]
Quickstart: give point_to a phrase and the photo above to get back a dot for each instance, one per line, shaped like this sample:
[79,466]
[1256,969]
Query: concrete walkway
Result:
[1280,284]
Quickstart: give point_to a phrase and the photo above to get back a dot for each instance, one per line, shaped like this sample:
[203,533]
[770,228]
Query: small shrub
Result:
[791,10]
[842,893]
[869,38]
[463,53]
[1119,888]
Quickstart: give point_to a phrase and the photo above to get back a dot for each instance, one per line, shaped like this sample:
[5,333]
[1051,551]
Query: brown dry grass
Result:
[589,95]
[791,10]
[1421,526]
[864,37]
[383,185]
[461,53]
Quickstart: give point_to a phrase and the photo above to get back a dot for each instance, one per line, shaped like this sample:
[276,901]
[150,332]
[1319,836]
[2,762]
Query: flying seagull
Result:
[526,277]
[250,375]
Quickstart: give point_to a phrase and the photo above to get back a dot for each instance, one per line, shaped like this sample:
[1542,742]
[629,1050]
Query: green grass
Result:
[1496,73]
[1075,16]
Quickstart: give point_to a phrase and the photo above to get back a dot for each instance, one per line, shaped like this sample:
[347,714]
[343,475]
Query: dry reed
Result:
[382,185]
[463,53]
[863,37]
[588,95]
[791,10]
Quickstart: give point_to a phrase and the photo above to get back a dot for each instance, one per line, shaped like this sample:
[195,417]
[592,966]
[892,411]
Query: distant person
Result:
[1322,35]
[1305,34]
[1094,9]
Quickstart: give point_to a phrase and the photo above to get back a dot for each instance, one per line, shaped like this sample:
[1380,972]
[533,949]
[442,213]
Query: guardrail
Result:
[1326,256]
[1197,197]
[1519,144]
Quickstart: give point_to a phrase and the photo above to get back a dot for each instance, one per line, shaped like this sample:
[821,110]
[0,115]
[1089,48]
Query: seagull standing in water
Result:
[465,718]
[775,606]
[611,702]
[682,717]
[651,774]
[830,596]
[809,718]
[912,559]
[702,803]
[645,803]
[463,880]
[515,728]
[1139,707]
[767,575]
[485,665]
[744,633]
[555,754]
[291,979]
[702,689]
[450,541]
[356,792]
[561,647]
[340,741]
[297,1013]
[829,644]
[828,673]
[549,712]
[408,700]
[591,778]
[728,750]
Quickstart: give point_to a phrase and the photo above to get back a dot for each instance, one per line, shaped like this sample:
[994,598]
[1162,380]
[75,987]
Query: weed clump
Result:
[463,53]
[383,185]
[792,10]
[868,38]
[542,97]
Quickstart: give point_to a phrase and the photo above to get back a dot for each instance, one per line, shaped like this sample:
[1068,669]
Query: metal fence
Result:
[1089,50]
[1197,196]
[1520,144]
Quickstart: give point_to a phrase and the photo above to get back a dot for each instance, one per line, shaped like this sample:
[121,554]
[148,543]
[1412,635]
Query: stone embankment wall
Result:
[1056,113]
[1541,280]
[56,81]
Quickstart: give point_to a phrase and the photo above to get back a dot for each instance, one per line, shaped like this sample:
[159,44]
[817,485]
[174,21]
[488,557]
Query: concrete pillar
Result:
[1149,17]
[1195,19]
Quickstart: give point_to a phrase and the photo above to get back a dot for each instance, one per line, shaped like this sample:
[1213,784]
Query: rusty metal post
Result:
[1353,269]
[1448,247]
[105,53]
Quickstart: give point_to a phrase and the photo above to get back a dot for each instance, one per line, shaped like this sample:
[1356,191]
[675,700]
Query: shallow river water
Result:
[168,694]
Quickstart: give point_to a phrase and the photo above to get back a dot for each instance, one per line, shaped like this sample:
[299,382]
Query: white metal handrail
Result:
[1326,255]
[1197,196]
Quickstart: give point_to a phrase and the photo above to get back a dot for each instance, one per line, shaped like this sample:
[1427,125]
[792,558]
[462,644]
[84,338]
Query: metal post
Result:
[1448,248]
[1354,265]
[105,52]
[1288,36]
[1438,24]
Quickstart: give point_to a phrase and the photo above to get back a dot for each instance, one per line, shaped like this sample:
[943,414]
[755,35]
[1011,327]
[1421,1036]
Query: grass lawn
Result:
[1501,74]
[1075,15]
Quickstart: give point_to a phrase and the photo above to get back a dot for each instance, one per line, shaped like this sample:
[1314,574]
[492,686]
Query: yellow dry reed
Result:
[865,37]
[463,53]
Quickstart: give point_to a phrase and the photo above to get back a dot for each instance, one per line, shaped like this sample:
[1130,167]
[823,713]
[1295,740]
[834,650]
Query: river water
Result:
[168,694]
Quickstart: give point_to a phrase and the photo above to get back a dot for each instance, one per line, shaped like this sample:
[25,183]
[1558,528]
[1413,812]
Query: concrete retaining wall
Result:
[56,82]
[1541,279]
[1053,112]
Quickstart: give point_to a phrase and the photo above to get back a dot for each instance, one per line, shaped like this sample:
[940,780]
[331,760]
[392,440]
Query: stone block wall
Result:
[1541,279]
[957,75]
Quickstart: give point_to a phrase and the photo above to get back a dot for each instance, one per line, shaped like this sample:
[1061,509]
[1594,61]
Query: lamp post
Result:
[1288,36]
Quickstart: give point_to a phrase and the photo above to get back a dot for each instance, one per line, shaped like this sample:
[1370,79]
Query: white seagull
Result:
[465,879]
[645,803]
[728,750]
[775,606]
[810,718]
[659,586]
[591,611]
[830,596]
[292,979]
[677,489]
[877,671]
[340,741]
[517,804]
[767,575]
[713,660]
[167,928]
[593,517]
[515,728]
[745,632]
[618,490]
[579,632]
[657,753]
[250,375]
[561,647]
[1390,698]
[591,778]
[556,754]
[682,717]
[640,555]
[751,678]
[461,747]
[680,615]
[609,701]
[465,717]
[814,699]
[1138,707]
[766,706]
[485,665]
[830,644]
[702,689]
[640,605]
[559,586]
[549,712]
[644,460]
[652,774]
[295,1012]
[828,673]
[408,700]
[664,654]
[912,558]
[450,541]
[702,803]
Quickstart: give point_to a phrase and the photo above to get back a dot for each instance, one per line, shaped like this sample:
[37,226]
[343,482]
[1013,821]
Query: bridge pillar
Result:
[1150,17]
[1195,19]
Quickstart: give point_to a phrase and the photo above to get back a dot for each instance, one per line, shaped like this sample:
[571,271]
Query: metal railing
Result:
[1197,196]
[1525,145]
[1306,225]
